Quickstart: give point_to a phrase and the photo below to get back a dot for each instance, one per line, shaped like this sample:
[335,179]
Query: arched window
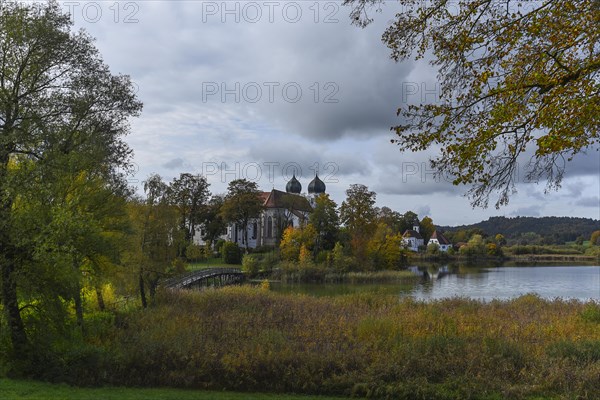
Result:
[254,230]
[269,227]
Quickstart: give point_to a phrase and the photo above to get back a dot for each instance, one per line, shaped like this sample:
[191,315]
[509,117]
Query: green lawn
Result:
[31,390]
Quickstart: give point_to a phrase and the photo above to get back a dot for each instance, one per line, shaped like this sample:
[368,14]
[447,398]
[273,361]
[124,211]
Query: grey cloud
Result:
[584,164]
[588,202]
[172,52]
[309,158]
[528,211]
[424,211]
[176,163]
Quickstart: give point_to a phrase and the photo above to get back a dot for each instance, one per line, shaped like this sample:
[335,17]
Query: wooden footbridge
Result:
[210,277]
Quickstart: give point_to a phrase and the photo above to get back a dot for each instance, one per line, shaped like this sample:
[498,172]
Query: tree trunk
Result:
[10,301]
[142,290]
[100,299]
[152,285]
[246,236]
[77,296]
[79,309]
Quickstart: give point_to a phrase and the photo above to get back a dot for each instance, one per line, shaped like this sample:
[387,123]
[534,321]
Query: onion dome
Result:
[293,186]
[316,186]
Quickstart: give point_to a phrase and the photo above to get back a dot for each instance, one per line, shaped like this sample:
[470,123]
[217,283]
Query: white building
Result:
[412,239]
[439,239]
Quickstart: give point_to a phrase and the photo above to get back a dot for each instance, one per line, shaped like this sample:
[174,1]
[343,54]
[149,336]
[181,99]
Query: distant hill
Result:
[550,229]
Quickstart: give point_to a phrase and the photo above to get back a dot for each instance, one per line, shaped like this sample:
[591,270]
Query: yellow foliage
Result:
[265,285]
[294,238]
[305,256]
[90,297]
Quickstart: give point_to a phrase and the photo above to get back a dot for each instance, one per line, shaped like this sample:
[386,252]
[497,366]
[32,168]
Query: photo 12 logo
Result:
[271,171]
[421,92]
[254,92]
[253,12]
[92,12]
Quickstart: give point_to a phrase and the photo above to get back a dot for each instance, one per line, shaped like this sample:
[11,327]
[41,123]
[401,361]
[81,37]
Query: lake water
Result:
[482,283]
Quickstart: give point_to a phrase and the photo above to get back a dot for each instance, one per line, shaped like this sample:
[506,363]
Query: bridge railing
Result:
[188,279]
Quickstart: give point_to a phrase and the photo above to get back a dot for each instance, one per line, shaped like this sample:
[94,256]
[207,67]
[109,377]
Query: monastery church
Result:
[282,209]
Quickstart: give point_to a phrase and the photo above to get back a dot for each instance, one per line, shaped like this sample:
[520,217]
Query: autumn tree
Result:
[359,215]
[500,239]
[242,204]
[426,228]
[595,238]
[70,226]
[474,247]
[517,79]
[157,233]
[58,101]
[294,239]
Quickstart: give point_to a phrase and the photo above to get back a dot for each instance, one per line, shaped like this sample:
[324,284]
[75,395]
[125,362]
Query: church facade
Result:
[281,209]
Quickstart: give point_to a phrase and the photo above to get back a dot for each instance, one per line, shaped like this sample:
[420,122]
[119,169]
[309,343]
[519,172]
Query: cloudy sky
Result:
[259,90]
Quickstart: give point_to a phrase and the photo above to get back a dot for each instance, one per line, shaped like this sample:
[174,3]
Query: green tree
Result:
[189,193]
[391,218]
[385,248]
[73,225]
[409,219]
[530,238]
[500,240]
[326,222]
[58,101]
[340,260]
[358,211]
[213,225]
[242,204]
[515,77]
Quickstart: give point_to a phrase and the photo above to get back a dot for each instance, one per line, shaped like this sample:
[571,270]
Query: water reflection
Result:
[482,282]
[505,282]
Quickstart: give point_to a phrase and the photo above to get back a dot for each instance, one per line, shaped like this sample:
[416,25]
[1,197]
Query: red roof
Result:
[278,199]
[264,196]
[440,237]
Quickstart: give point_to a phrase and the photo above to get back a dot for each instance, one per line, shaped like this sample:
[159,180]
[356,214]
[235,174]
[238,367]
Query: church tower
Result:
[293,186]
[315,188]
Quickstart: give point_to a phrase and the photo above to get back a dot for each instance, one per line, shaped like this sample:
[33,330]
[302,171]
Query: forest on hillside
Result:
[532,230]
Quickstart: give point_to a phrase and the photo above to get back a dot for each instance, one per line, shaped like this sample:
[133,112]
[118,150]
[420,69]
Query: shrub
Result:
[231,253]
[250,265]
[591,313]
[582,352]
[263,249]
[194,252]
[219,245]
[178,265]
[433,249]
